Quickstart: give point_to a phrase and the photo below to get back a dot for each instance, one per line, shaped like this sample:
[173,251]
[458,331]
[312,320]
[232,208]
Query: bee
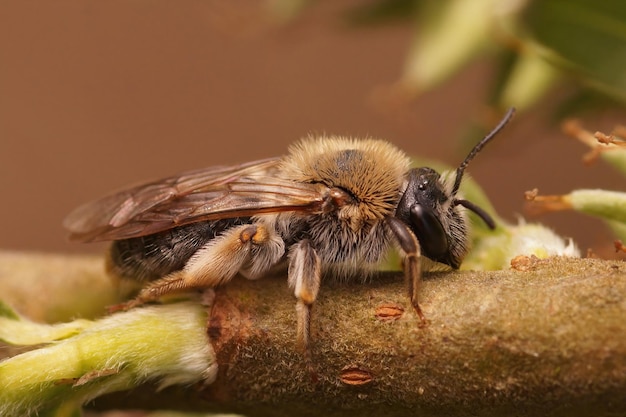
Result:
[332,206]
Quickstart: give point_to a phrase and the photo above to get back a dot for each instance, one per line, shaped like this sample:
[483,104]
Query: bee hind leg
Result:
[216,263]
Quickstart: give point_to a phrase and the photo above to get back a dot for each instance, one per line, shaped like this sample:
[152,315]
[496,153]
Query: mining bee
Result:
[332,206]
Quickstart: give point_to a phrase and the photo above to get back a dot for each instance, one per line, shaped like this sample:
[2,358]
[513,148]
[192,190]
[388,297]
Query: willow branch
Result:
[546,340]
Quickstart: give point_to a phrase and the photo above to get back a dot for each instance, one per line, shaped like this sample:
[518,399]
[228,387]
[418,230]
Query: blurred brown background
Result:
[95,95]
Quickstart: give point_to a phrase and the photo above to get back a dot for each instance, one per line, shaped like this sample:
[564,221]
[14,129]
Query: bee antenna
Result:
[482,214]
[459,171]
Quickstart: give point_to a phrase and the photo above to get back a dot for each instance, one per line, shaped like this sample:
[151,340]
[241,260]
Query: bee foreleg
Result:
[304,277]
[218,261]
[412,260]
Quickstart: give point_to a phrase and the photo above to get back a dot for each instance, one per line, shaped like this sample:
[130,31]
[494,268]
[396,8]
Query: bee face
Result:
[427,207]
[331,204]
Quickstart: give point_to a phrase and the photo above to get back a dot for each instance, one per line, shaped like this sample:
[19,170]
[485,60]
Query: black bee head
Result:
[426,208]
[430,209]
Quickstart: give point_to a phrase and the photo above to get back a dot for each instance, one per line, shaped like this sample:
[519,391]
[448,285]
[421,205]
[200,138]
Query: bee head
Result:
[430,208]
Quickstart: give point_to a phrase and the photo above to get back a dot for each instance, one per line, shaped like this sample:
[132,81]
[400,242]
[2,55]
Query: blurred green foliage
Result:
[587,38]
[534,45]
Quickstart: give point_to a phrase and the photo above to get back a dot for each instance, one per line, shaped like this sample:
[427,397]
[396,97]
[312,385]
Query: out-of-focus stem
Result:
[166,344]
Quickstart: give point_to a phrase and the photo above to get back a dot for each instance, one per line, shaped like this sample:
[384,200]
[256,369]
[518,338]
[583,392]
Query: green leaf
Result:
[609,205]
[165,343]
[449,35]
[21,331]
[7,312]
[528,80]
[588,37]
[381,12]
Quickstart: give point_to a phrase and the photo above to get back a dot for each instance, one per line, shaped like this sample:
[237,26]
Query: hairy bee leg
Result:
[214,264]
[412,261]
[305,271]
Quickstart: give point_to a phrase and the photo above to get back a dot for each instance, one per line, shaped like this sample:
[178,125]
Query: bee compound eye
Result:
[429,231]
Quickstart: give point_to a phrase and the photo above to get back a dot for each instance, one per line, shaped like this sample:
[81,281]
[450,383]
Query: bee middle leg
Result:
[305,273]
[218,262]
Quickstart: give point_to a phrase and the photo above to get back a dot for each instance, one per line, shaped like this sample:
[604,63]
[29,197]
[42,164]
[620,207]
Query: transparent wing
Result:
[205,194]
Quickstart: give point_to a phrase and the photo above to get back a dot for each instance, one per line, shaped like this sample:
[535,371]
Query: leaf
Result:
[450,34]
[166,344]
[381,12]
[7,312]
[586,37]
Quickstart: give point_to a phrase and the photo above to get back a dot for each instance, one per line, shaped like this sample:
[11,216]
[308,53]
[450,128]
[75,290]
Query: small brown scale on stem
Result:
[355,375]
[389,311]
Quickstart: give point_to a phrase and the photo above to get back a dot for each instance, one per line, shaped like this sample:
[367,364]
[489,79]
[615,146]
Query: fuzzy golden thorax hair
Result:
[371,170]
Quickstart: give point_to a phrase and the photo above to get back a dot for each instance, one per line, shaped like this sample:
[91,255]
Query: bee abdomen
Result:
[153,256]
